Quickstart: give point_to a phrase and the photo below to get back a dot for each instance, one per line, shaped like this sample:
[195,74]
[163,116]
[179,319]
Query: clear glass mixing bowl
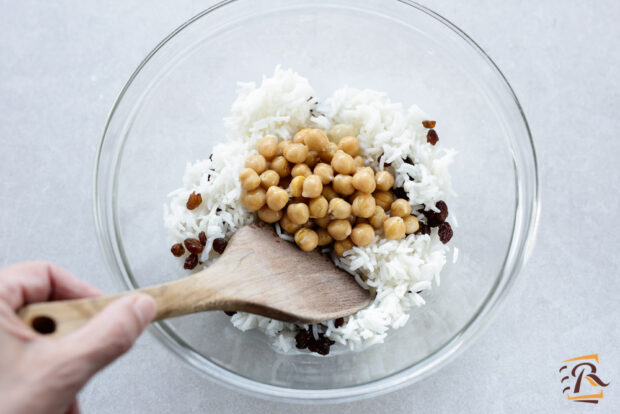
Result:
[170,112]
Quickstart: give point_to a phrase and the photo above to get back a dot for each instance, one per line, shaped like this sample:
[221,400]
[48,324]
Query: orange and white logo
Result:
[580,379]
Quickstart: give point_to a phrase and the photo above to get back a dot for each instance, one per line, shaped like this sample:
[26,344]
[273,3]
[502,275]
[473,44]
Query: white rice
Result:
[395,270]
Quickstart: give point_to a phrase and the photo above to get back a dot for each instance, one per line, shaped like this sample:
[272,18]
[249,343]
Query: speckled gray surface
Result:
[63,63]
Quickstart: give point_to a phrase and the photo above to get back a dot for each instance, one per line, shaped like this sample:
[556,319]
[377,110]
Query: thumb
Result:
[109,334]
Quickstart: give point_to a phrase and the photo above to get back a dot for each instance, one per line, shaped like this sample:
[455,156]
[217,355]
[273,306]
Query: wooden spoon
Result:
[258,273]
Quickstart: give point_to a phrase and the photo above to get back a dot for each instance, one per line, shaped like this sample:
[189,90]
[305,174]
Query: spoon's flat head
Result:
[263,274]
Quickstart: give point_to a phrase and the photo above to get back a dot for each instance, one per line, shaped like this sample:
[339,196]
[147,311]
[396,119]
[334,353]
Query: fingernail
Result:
[145,308]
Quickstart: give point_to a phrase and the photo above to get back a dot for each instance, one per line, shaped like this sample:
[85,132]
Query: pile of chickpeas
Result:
[322,192]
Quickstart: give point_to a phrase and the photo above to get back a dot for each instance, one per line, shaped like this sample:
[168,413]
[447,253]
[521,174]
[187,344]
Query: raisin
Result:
[339,322]
[230,313]
[424,229]
[303,338]
[429,124]
[219,245]
[400,192]
[202,237]
[191,262]
[193,245]
[432,137]
[445,232]
[436,218]
[193,201]
[177,250]
[323,344]
[408,160]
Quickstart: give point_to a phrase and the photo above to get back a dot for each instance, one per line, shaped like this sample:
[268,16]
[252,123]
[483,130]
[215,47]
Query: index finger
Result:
[28,282]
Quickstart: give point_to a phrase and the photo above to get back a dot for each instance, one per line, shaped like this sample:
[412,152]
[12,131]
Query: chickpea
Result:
[377,219]
[343,163]
[384,180]
[329,193]
[325,171]
[341,246]
[300,136]
[312,159]
[269,178]
[322,221]
[281,166]
[364,181]
[328,153]
[394,228]
[300,169]
[340,131]
[276,198]
[353,196]
[254,199]
[295,153]
[256,162]
[339,209]
[350,145]
[411,224]
[268,215]
[362,235]
[363,205]
[267,147]
[283,144]
[383,199]
[288,226]
[306,239]
[343,184]
[324,237]
[249,179]
[400,208]
[298,213]
[316,140]
[339,229]
[297,185]
[312,187]
[318,207]
[359,162]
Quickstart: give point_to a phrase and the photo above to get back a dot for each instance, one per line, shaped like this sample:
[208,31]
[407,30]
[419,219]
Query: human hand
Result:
[43,375]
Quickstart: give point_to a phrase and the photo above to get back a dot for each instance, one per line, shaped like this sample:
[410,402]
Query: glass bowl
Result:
[170,112]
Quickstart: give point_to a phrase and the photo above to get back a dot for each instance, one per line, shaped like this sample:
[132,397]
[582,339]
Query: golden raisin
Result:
[193,201]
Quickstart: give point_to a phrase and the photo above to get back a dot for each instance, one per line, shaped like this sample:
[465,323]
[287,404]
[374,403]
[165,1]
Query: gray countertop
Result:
[63,63]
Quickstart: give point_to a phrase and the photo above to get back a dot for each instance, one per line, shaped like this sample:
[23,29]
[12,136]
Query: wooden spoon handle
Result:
[173,299]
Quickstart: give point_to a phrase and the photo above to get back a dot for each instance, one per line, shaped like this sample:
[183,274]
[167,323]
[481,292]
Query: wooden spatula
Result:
[258,273]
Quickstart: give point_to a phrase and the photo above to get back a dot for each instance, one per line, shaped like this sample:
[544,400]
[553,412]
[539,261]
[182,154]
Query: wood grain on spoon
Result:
[258,273]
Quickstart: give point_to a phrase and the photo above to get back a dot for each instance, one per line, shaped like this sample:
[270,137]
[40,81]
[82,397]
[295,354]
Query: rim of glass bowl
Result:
[522,241]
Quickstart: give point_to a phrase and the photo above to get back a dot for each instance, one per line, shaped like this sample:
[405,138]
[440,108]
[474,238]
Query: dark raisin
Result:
[323,344]
[230,313]
[429,124]
[400,192]
[445,232]
[193,245]
[219,245]
[339,322]
[436,218]
[191,262]
[193,201]
[177,250]
[217,210]
[303,339]
[202,237]
[408,160]
[424,229]
[431,137]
